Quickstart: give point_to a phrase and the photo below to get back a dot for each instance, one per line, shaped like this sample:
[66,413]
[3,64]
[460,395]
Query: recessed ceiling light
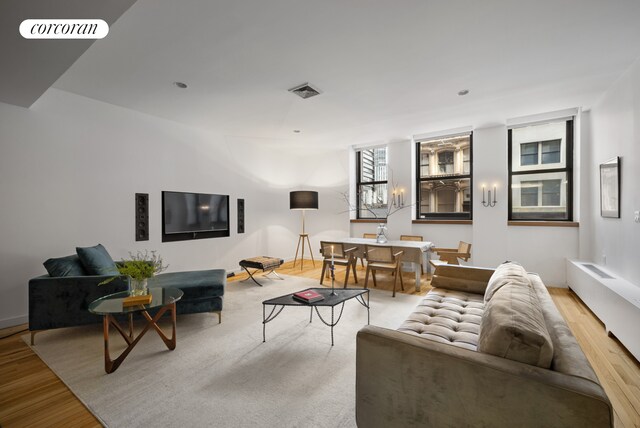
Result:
[180,85]
[463,92]
[297,131]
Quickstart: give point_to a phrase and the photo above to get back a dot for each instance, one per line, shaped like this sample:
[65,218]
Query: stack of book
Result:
[307,296]
[137,300]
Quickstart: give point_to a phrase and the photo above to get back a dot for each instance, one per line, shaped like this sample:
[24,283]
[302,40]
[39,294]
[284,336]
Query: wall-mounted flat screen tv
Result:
[194,212]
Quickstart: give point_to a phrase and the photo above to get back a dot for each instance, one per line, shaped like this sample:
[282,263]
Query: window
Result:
[540,171]
[529,154]
[466,159]
[547,191]
[424,163]
[445,162]
[529,193]
[549,152]
[551,193]
[444,177]
[371,183]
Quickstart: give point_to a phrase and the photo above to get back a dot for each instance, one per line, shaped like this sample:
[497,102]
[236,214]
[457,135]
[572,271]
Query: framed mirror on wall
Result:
[610,188]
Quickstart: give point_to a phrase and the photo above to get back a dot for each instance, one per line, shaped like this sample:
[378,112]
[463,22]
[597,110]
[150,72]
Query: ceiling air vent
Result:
[305,91]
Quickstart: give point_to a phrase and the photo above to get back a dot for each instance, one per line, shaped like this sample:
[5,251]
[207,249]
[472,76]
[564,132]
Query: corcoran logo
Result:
[64,29]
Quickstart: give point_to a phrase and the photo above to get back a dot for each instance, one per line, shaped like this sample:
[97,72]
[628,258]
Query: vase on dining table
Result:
[381,236]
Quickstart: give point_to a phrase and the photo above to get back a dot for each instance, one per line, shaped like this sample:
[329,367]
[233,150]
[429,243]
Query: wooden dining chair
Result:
[413,238]
[341,257]
[451,255]
[383,258]
[367,236]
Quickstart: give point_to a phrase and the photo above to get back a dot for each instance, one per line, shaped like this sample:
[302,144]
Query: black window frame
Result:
[360,183]
[568,170]
[419,181]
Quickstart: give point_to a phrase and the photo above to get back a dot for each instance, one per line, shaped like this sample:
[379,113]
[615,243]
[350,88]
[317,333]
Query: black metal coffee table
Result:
[341,295]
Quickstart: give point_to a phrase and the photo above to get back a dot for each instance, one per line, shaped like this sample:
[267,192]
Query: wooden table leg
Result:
[171,343]
[110,365]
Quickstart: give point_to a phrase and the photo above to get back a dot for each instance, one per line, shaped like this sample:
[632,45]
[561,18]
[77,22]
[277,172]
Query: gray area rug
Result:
[223,375]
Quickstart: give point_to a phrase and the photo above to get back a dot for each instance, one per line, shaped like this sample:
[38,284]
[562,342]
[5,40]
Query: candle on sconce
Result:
[487,201]
[402,197]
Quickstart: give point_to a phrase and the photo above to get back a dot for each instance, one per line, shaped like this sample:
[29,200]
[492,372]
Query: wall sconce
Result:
[399,202]
[488,202]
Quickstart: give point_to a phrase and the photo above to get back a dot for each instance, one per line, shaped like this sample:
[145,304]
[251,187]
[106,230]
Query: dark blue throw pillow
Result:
[97,261]
[65,266]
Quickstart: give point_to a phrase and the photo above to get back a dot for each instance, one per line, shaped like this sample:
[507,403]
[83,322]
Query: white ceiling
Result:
[387,68]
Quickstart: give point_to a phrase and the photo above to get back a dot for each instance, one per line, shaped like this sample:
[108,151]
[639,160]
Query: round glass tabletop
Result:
[112,304]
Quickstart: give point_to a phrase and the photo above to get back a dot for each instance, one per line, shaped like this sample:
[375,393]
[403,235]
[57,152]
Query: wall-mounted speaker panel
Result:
[240,215]
[142,216]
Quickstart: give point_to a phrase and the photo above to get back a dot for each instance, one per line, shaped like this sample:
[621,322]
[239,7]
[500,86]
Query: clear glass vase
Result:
[381,237]
[138,287]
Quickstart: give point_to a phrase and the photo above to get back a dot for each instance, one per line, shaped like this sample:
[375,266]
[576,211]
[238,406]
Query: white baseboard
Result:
[10,322]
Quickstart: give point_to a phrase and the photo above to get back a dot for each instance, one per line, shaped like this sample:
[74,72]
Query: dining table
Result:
[415,252]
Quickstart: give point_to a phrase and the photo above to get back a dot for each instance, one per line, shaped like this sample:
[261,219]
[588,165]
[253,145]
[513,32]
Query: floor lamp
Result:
[303,200]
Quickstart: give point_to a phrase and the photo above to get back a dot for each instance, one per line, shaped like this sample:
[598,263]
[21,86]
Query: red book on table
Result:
[307,296]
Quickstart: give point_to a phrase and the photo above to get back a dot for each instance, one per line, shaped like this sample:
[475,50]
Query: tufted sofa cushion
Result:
[447,316]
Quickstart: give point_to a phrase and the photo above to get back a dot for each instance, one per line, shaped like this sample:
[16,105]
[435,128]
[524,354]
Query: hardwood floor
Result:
[32,395]
[617,369]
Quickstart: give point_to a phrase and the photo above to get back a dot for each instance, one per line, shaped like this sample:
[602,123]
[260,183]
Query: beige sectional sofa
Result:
[484,348]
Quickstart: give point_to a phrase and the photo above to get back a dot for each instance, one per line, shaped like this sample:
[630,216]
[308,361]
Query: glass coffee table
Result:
[339,297]
[111,306]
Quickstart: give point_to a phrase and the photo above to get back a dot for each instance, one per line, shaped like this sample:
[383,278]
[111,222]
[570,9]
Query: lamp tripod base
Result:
[301,242]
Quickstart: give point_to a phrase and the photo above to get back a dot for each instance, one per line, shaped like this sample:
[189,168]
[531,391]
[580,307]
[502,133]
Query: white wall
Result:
[69,168]
[490,243]
[615,131]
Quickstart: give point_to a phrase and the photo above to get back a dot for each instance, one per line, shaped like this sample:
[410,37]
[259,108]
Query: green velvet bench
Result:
[62,299]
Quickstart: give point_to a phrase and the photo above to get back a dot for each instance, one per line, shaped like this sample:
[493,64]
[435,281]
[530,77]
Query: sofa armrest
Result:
[404,380]
[63,301]
[469,279]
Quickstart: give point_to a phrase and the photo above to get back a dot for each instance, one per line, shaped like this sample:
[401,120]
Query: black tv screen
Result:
[194,212]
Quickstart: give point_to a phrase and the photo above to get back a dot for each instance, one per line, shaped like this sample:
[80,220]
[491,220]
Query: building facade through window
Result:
[540,171]
[371,183]
[444,177]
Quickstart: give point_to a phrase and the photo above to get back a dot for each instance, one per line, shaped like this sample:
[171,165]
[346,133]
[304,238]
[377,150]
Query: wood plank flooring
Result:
[32,395]
[617,369]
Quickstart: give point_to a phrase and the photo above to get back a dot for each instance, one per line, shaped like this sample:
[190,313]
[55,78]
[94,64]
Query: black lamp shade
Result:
[303,200]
